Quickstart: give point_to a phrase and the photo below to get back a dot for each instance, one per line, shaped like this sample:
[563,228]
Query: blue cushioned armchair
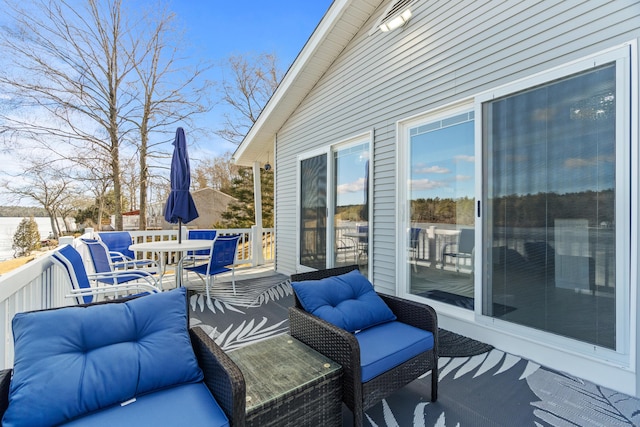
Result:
[123,362]
[382,342]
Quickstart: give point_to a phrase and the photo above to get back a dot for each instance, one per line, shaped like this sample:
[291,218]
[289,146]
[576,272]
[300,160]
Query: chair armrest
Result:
[140,274]
[221,375]
[115,255]
[335,343]
[5,382]
[414,313]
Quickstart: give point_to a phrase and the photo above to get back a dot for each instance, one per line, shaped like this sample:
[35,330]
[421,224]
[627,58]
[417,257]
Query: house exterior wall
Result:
[448,52]
[210,203]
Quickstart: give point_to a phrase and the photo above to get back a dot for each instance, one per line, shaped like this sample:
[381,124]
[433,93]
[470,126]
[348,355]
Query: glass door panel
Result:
[550,189]
[351,216]
[440,237]
[313,212]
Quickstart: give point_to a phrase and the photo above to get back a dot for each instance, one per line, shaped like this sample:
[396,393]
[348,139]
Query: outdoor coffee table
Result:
[289,384]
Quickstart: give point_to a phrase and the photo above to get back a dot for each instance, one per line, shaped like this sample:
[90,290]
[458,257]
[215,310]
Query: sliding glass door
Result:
[334,183]
[550,188]
[440,231]
[312,249]
[351,205]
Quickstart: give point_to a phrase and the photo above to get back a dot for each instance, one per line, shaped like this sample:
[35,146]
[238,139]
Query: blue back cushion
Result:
[75,360]
[348,301]
[118,241]
[201,235]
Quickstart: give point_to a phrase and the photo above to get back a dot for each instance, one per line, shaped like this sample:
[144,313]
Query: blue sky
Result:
[442,163]
[218,29]
[215,30]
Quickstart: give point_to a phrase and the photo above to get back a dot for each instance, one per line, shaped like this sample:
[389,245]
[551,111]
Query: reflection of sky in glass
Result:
[350,167]
[442,159]
[557,138]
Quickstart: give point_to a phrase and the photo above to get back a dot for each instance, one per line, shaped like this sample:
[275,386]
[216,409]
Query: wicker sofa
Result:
[125,362]
[343,347]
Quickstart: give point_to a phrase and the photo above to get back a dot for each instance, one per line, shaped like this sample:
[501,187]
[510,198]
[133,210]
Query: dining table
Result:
[168,246]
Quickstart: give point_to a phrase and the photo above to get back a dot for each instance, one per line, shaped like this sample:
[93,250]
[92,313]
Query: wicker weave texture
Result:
[343,348]
[311,405]
[221,375]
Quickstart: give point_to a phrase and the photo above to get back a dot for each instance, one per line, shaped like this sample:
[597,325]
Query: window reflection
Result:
[351,221]
[550,238]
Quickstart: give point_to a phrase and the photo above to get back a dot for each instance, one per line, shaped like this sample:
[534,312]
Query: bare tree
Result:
[45,186]
[81,75]
[169,93]
[216,173]
[249,82]
[71,65]
[97,180]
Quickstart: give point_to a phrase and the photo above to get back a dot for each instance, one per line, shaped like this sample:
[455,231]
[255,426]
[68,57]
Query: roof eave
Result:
[331,36]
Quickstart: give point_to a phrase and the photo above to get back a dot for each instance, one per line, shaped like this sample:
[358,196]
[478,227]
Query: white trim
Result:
[634,276]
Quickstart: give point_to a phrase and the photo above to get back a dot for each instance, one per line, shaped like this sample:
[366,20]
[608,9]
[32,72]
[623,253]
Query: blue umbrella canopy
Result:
[180,206]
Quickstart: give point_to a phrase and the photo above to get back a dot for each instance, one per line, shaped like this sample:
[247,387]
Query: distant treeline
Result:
[22,212]
[530,210]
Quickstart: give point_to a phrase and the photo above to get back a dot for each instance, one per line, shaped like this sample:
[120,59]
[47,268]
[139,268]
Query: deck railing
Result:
[40,284]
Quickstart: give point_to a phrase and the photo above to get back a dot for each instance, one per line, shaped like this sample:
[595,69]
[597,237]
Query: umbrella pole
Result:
[179,230]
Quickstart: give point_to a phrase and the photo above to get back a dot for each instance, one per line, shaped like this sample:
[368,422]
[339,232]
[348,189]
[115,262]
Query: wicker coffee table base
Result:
[289,384]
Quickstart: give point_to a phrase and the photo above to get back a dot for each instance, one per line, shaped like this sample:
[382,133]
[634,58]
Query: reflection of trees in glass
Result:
[443,211]
[351,213]
[537,210]
[531,210]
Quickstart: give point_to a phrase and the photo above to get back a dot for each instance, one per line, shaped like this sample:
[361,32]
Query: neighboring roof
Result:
[336,29]
[213,190]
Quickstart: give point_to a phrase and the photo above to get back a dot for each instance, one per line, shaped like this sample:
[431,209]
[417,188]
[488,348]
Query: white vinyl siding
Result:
[448,51]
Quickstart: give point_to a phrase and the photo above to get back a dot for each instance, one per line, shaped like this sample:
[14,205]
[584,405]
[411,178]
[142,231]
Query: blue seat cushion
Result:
[183,405]
[76,360]
[348,301]
[386,346]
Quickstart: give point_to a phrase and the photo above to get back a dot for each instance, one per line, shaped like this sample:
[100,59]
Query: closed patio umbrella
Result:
[180,206]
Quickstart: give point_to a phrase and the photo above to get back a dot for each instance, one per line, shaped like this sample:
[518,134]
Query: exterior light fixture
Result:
[396,22]
[267,166]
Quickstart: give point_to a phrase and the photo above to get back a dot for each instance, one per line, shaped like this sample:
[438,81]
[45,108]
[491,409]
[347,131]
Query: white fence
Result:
[40,284]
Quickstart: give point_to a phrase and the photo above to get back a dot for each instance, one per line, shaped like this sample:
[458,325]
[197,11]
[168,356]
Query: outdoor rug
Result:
[478,384]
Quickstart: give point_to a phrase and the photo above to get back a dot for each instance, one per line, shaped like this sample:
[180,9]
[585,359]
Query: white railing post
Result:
[65,240]
[256,246]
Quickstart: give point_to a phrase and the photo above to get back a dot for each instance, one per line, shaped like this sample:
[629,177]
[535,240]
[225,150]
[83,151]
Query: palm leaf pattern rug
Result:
[478,384]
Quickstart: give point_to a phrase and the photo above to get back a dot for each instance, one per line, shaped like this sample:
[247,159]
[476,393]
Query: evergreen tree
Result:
[26,238]
[241,214]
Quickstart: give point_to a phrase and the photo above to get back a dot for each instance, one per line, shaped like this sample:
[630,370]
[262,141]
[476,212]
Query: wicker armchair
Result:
[342,347]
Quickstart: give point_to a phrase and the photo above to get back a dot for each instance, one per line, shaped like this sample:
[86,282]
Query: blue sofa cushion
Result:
[348,301]
[389,345]
[76,360]
[183,405]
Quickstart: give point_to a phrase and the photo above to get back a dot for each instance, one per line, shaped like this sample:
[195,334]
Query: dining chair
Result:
[71,262]
[104,267]
[203,234]
[224,252]
[463,248]
[117,243]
